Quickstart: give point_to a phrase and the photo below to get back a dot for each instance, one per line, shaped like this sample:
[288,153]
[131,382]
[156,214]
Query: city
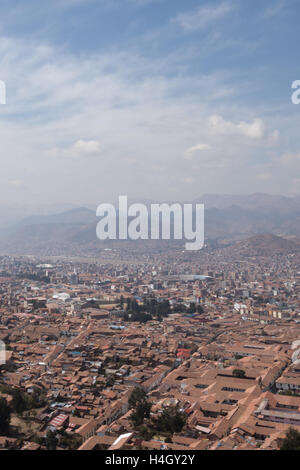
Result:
[180,351]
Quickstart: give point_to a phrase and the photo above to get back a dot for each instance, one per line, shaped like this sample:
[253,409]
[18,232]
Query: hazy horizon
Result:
[12,214]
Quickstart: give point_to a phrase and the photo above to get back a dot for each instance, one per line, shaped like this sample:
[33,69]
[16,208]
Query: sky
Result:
[154,99]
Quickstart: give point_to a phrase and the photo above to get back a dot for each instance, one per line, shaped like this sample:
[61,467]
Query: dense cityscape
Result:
[180,351]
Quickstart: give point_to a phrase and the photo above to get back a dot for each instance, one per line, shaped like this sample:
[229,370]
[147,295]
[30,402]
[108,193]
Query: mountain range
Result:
[228,218]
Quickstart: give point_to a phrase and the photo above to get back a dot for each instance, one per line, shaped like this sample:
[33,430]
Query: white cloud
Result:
[202,16]
[264,176]
[290,160]
[273,138]
[131,161]
[191,151]
[79,149]
[15,183]
[274,10]
[87,146]
[188,180]
[254,130]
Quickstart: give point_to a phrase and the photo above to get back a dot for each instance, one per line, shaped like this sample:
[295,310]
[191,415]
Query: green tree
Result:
[238,373]
[142,408]
[4,417]
[110,380]
[192,308]
[71,442]
[141,413]
[171,420]
[19,403]
[145,433]
[291,440]
[51,440]
[137,395]
[199,309]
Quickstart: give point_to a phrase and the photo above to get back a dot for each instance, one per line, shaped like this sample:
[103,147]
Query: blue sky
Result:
[160,99]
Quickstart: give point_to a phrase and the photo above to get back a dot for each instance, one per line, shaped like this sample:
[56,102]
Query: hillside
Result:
[263,245]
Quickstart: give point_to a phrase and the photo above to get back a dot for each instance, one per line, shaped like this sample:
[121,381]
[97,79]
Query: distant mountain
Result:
[228,218]
[80,216]
[258,202]
[11,214]
[239,217]
[264,245]
[267,245]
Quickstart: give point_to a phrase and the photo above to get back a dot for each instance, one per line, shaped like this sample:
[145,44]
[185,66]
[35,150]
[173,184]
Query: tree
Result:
[238,356]
[199,309]
[128,304]
[179,308]
[145,433]
[51,440]
[137,395]
[238,373]
[4,417]
[37,399]
[141,317]
[171,420]
[291,440]
[39,440]
[192,308]
[18,402]
[142,408]
[110,381]
[141,413]
[71,442]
